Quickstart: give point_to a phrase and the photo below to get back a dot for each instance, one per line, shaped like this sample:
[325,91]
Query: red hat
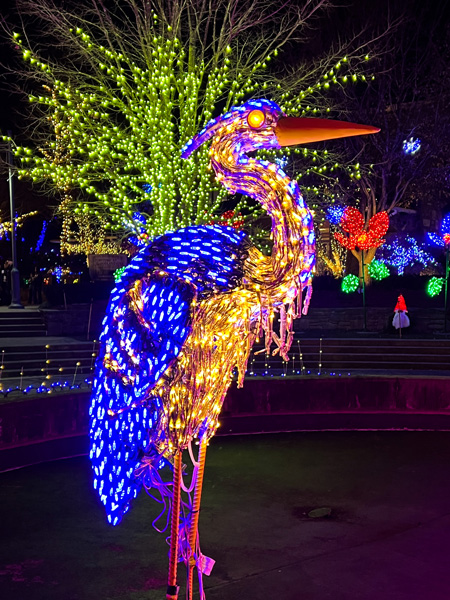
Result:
[401,304]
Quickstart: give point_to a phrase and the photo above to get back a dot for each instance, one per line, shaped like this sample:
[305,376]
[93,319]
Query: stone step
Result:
[423,353]
[367,350]
[21,323]
[22,313]
[357,362]
[37,354]
[55,372]
[381,343]
[19,320]
[363,355]
[35,361]
[20,331]
[12,370]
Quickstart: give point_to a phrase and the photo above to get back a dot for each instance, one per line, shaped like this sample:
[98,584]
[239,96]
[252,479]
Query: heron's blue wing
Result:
[147,322]
[145,327]
[211,257]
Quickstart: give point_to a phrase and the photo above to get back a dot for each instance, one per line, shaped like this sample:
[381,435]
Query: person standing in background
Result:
[401,319]
[5,282]
[35,290]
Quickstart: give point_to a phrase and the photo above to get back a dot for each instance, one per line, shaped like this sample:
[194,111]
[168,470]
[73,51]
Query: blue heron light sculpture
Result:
[185,315]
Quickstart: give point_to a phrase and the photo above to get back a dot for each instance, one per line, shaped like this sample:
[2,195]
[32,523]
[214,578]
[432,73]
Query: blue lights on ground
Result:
[48,388]
[435,239]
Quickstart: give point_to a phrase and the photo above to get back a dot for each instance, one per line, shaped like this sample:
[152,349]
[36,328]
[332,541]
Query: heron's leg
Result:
[172,587]
[193,525]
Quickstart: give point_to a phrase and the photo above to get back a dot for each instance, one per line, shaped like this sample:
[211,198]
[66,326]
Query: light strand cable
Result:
[189,489]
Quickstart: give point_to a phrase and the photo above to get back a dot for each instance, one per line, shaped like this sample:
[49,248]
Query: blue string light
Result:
[58,273]
[139,218]
[435,239]
[334,214]
[411,146]
[445,225]
[139,225]
[443,239]
[282,161]
[41,237]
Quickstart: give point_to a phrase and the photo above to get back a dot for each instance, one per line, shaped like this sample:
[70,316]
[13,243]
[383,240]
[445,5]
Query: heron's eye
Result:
[256,118]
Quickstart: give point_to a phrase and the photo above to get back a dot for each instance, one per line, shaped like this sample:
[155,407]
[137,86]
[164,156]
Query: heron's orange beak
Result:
[291,131]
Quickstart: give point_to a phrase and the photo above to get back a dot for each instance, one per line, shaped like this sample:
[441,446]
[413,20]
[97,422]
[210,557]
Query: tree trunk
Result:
[368,258]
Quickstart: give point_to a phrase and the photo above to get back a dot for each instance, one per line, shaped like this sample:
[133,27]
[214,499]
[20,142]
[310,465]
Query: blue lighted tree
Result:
[404,252]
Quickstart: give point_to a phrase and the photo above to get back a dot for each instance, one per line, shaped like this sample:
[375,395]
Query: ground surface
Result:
[388,535]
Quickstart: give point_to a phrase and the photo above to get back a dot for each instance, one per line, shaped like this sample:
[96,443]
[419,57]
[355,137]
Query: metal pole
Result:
[89,320]
[364,291]
[15,276]
[446,287]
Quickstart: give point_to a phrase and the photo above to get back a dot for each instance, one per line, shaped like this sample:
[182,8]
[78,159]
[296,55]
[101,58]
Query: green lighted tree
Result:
[120,90]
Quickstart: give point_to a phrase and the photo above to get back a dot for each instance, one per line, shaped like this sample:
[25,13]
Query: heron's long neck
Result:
[292,225]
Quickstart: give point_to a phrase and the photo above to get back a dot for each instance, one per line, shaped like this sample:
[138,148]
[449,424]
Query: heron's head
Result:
[259,124]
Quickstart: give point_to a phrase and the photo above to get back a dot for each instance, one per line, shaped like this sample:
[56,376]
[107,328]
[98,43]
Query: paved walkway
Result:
[387,536]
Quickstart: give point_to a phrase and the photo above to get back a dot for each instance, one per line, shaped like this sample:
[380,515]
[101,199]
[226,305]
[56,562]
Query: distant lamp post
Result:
[15,276]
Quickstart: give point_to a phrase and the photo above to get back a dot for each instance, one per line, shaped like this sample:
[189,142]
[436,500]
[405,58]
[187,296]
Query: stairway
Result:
[356,354]
[15,323]
[58,360]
